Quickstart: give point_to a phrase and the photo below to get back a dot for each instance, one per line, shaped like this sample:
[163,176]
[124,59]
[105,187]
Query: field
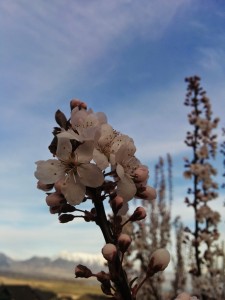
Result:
[75,288]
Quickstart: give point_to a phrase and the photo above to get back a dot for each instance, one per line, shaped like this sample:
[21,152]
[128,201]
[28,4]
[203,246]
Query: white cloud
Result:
[46,42]
[211,59]
[50,239]
[44,45]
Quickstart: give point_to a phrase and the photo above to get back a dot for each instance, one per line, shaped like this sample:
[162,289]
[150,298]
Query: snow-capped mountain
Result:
[61,266]
[85,257]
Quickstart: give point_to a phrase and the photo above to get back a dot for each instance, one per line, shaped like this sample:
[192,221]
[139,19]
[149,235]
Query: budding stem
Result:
[118,275]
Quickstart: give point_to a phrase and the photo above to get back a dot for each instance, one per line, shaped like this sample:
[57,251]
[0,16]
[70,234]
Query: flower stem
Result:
[118,275]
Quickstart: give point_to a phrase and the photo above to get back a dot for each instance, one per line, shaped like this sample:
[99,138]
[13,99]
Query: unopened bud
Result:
[82,272]
[89,216]
[141,185]
[75,102]
[116,204]
[183,296]
[138,214]
[106,288]
[124,242]
[159,260]
[55,209]
[141,174]
[58,185]
[65,218]
[55,199]
[149,193]
[44,187]
[109,252]
[103,277]
[65,208]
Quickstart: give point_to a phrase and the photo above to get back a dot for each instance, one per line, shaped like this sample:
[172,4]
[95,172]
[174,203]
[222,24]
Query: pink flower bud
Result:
[138,214]
[89,216]
[44,187]
[109,252]
[141,174]
[159,260]
[102,277]
[148,194]
[65,218]
[124,242]
[54,199]
[75,102]
[116,204]
[82,272]
[55,209]
[141,185]
[58,186]
[183,296]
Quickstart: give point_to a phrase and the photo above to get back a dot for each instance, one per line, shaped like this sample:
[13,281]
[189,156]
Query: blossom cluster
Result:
[84,148]
[203,142]
[93,161]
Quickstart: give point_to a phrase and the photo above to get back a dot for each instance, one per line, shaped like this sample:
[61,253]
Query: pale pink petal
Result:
[49,171]
[100,159]
[126,188]
[74,192]
[90,175]
[121,154]
[123,140]
[124,209]
[69,134]
[78,117]
[120,171]
[102,118]
[64,148]
[107,134]
[84,152]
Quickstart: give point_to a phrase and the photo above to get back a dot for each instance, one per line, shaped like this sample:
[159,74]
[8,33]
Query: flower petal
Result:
[90,175]
[124,209]
[64,148]
[74,192]
[120,171]
[100,159]
[49,171]
[69,134]
[126,188]
[85,152]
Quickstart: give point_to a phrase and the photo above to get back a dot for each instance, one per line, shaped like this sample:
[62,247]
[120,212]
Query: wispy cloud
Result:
[42,39]
[50,53]
[212,59]
[50,239]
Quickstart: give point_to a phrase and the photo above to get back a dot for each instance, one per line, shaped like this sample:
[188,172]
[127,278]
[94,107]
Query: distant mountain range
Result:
[61,267]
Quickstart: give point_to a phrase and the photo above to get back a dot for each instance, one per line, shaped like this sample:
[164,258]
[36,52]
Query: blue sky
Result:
[127,58]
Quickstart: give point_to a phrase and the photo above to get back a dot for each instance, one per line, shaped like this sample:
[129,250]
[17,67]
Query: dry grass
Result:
[75,288]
